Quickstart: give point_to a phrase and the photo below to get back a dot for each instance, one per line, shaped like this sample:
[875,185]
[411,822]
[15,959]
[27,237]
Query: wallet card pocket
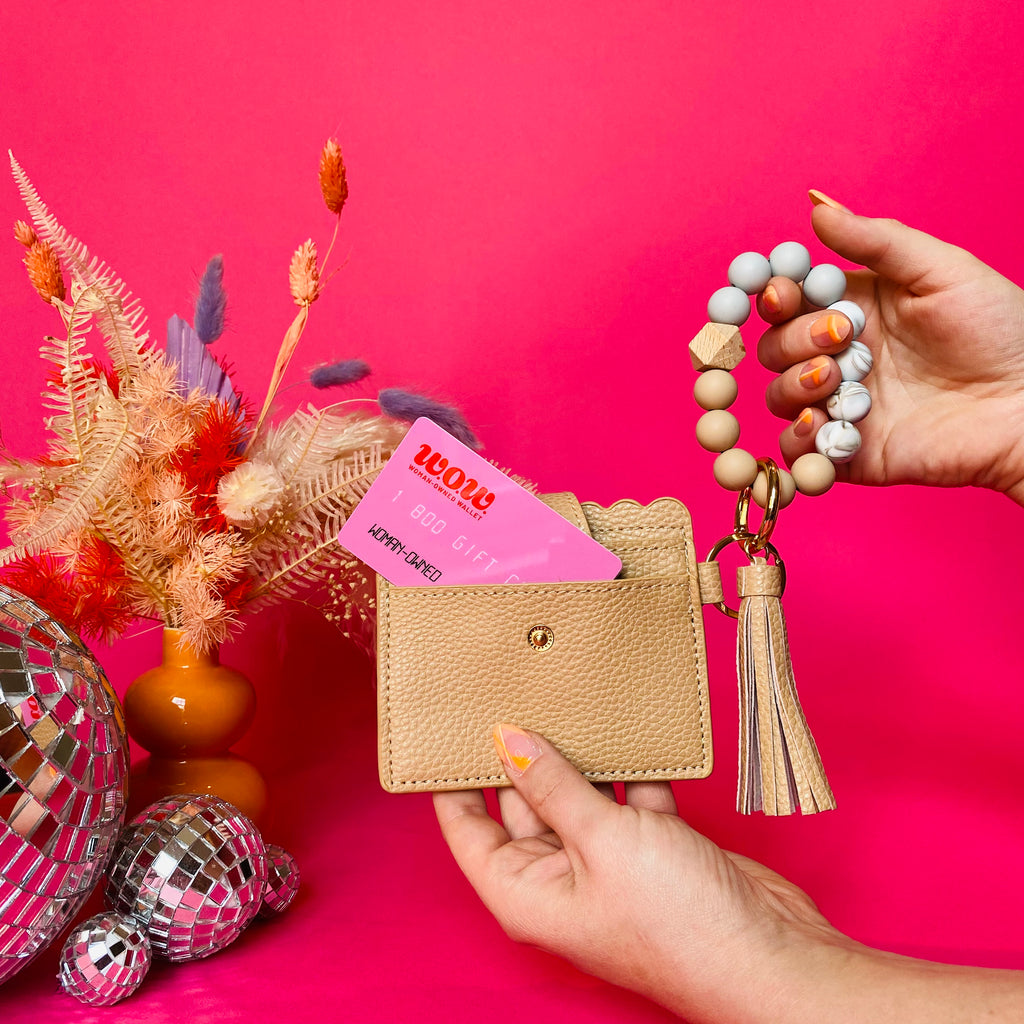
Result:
[614,672]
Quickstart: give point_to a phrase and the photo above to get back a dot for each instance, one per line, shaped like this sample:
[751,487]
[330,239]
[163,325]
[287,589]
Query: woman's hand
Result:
[632,893]
[947,335]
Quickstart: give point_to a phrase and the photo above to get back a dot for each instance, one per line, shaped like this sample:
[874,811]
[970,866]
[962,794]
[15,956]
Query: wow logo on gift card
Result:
[451,479]
[439,513]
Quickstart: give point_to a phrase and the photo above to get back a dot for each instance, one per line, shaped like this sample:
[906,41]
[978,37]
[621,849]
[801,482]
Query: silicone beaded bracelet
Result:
[718,349]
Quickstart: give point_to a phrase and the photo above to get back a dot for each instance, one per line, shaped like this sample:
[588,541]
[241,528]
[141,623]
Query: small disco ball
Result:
[192,870]
[105,959]
[63,761]
[282,882]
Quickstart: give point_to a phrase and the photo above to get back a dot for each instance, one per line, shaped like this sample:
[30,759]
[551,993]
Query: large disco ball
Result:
[63,762]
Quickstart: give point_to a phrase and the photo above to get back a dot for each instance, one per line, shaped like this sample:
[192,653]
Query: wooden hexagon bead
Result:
[717,430]
[715,389]
[787,489]
[735,469]
[717,347]
[813,474]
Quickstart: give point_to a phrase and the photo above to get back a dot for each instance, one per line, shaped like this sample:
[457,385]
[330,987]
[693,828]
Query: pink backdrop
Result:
[542,197]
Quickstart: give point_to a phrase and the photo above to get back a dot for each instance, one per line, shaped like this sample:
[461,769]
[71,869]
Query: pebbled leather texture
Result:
[622,690]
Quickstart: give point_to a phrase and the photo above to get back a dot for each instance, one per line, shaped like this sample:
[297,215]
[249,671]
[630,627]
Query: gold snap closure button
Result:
[540,638]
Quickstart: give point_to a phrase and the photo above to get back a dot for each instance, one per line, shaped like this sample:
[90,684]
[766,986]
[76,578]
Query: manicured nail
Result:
[517,749]
[771,299]
[803,423]
[814,372]
[829,331]
[820,199]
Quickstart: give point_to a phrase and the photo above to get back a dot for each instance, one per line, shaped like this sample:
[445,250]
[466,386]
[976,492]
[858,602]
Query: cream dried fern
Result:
[310,440]
[294,560]
[117,523]
[92,440]
[104,449]
[119,317]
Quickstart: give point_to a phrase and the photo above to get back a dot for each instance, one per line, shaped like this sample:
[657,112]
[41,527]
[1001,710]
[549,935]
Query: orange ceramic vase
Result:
[187,712]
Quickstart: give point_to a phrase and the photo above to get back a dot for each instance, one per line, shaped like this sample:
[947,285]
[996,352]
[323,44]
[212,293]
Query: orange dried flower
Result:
[333,182]
[44,271]
[23,233]
[304,274]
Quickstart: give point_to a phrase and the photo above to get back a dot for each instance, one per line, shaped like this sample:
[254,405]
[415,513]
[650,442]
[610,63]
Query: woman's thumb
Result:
[561,797]
[908,257]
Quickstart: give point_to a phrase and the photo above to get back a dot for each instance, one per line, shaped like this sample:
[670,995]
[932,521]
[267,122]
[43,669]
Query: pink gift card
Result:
[439,513]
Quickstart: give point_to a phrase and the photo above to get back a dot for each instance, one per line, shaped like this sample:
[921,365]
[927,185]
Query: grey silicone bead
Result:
[855,362]
[750,271]
[851,401]
[729,305]
[790,259]
[853,313]
[838,440]
[824,284]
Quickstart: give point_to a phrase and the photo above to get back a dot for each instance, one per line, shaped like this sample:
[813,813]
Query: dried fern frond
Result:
[117,523]
[104,448]
[342,485]
[120,318]
[293,560]
[73,395]
[311,439]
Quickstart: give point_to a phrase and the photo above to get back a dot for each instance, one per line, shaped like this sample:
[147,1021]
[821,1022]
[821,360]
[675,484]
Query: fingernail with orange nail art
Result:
[803,423]
[814,372]
[820,199]
[517,749]
[771,299]
[829,331]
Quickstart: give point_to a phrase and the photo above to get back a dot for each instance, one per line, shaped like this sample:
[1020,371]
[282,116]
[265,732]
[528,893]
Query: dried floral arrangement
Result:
[161,495]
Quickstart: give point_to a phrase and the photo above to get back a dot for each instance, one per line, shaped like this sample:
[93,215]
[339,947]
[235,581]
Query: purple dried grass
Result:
[212,301]
[197,368]
[333,375]
[404,405]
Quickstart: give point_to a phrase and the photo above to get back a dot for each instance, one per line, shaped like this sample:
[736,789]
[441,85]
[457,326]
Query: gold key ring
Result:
[742,542]
[754,542]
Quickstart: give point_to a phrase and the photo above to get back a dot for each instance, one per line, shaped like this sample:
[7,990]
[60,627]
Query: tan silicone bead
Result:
[787,489]
[735,469]
[813,474]
[715,389]
[717,430]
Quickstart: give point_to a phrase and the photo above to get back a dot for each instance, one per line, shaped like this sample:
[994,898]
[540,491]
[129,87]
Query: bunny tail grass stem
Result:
[330,248]
[284,357]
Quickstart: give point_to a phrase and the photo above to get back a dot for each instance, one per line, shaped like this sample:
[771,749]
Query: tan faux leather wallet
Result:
[613,673]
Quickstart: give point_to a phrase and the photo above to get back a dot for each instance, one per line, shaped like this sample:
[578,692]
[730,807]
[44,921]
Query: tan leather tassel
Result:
[780,768]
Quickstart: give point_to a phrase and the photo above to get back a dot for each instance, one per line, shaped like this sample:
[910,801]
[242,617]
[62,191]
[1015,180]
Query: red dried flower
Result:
[103,608]
[236,594]
[90,597]
[216,449]
[41,578]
